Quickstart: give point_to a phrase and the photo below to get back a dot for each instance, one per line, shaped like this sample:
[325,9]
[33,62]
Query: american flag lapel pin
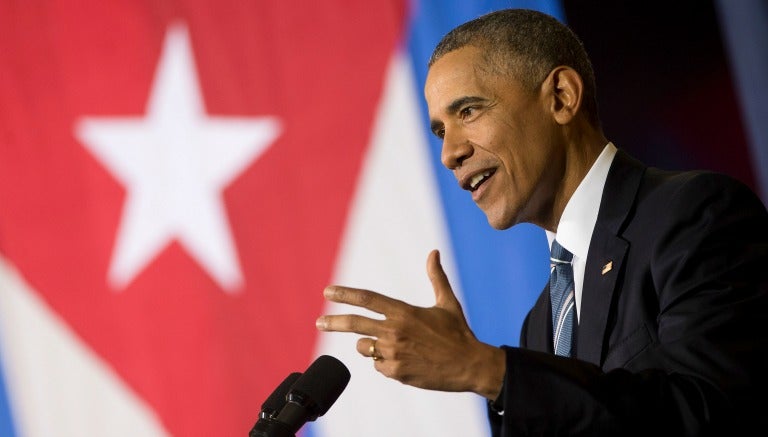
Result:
[607,268]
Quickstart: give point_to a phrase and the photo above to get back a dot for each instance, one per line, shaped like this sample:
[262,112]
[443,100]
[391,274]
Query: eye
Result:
[467,112]
[439,131]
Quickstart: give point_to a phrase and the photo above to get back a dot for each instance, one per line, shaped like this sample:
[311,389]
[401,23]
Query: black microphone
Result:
[310,396]
[276,401]
[314,392]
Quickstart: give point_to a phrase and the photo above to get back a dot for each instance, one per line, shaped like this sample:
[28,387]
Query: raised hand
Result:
[431,348]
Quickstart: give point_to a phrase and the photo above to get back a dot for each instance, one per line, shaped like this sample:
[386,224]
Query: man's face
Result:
[500,140]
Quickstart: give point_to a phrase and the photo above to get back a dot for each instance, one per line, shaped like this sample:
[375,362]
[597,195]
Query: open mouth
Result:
[479,179]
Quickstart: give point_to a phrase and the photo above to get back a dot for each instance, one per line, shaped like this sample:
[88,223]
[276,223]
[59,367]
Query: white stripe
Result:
[568,305]
[394,223]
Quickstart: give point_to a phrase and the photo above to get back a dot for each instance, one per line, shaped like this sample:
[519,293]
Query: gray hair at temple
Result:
[527,45]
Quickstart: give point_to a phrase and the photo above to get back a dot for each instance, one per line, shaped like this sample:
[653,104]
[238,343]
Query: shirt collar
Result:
[577,223]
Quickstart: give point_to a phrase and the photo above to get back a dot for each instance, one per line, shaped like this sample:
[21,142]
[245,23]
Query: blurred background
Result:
[179,179]
[668,83]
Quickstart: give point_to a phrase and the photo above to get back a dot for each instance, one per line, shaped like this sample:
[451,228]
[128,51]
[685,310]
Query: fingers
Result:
[362,298]
[349,323]
[444,296]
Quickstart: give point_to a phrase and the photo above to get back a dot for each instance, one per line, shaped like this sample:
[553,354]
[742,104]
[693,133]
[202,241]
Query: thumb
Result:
[444,296]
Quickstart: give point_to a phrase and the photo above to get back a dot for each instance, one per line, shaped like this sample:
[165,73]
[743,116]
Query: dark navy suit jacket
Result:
[672,339]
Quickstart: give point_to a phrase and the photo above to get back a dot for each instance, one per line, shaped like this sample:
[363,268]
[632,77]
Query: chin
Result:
[499,222]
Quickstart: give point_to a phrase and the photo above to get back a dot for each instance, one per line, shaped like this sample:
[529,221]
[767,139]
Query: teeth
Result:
[473,183]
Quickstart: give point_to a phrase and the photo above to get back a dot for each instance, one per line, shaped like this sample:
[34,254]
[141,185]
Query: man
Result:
[663,271]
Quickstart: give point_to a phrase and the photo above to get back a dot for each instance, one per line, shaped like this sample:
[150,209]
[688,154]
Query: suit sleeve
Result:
[703,373]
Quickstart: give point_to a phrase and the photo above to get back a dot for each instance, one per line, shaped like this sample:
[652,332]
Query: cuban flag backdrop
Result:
[180,179]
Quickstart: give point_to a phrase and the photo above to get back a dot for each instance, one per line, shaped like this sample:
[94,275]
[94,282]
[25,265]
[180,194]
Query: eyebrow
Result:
[454,107]
[462,101]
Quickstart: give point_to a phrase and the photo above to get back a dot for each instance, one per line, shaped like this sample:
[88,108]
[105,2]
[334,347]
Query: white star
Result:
[175,163]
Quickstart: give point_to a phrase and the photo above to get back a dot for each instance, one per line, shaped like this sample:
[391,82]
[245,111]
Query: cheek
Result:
[480,135]
[523,166]
[508,151]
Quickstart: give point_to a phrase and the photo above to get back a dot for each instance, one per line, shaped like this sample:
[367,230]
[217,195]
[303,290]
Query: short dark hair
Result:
[527,45]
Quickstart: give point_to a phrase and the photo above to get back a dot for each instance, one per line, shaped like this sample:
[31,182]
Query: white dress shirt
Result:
[574,232]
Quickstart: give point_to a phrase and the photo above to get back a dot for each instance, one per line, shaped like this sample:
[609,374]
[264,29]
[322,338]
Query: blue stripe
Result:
[7,428]
[501,272]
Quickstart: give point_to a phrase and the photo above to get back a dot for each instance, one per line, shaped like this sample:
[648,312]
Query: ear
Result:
[567,91]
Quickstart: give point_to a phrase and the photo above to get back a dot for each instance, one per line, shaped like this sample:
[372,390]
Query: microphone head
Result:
[320,385]
[275,402]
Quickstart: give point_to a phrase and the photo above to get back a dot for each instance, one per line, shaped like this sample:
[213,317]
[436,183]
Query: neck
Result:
[583,146]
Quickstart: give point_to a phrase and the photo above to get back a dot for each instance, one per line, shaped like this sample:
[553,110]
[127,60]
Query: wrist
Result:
[491,370]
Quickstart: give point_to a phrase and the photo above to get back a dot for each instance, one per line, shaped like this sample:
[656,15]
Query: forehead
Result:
[460,70]
[465,74]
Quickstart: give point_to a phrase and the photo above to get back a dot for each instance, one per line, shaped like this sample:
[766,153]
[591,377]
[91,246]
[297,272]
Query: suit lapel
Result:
[607,252]
[597,295]
[540,337]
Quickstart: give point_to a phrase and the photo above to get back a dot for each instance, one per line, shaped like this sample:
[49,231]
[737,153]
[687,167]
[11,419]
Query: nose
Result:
[455,150]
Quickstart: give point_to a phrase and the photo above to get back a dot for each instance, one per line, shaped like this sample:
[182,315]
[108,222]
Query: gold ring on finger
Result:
[372,351]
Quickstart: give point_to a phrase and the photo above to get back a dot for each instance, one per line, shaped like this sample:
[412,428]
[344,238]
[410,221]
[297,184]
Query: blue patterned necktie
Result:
[561,295]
